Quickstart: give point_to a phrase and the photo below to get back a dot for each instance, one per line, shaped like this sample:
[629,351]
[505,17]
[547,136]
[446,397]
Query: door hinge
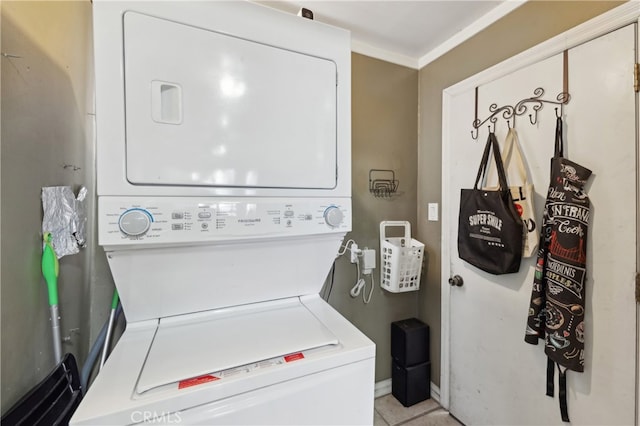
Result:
[638,287]
[636,77]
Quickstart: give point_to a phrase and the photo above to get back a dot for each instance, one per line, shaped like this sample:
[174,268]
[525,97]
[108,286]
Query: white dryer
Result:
[224,193]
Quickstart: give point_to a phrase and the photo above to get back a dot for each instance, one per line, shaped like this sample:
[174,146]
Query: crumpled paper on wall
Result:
[65,218]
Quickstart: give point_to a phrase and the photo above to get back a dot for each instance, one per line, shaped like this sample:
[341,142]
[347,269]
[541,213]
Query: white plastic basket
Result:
[401,259]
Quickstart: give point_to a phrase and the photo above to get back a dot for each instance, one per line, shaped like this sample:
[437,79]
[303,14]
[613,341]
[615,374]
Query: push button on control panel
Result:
[204,215]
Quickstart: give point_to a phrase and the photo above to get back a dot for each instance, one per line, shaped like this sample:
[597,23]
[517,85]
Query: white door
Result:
[494,376]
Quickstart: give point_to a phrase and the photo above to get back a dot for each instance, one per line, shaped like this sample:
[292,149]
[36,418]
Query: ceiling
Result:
[411,33]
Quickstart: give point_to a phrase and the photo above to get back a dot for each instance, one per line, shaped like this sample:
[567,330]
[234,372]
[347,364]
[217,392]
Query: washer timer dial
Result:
[333,216]
[135,222]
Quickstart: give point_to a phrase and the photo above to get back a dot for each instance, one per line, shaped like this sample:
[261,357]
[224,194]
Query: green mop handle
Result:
[115,300]
[50,270]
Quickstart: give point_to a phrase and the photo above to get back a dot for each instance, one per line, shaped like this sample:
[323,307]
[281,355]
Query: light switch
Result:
[433,212]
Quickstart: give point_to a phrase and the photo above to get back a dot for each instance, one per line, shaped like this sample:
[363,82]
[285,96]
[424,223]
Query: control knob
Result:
[333,216]
[135,222]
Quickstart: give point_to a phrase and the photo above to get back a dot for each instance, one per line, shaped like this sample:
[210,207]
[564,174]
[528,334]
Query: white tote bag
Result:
[522,193]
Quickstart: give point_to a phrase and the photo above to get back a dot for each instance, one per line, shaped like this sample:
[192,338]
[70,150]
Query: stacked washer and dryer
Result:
[224,193]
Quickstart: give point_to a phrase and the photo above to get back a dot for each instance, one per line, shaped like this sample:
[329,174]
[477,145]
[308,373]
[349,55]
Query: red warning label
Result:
[294,357]
[197,381]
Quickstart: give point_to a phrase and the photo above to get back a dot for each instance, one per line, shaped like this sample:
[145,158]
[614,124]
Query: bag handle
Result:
[502,176]
[492,144]
[483,162]
[510,141]
[559,142]
[512,149]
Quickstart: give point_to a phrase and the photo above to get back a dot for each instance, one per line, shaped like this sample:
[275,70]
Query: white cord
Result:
[344,248]
[373,285]
[361,286]
[357,288]
[360,282]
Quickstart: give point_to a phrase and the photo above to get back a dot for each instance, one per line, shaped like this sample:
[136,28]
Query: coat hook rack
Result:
[510,112]
[382,183]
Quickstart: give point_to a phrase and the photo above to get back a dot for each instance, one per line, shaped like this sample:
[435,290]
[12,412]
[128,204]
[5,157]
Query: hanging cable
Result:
[329,286]
[368,299]
[361,285]
[345,247]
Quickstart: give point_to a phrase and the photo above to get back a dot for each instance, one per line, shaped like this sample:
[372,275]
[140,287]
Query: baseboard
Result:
[383,388]
[435,393]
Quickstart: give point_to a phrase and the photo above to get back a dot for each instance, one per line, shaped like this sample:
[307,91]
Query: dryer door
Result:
[209,109]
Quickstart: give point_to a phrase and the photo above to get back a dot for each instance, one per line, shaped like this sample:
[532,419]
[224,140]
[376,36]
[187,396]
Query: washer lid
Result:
[193,345]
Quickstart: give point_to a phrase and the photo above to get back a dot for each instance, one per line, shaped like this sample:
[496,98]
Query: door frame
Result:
[625,14]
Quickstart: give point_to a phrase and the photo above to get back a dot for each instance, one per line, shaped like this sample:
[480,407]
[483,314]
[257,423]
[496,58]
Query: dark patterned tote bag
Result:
[490,230]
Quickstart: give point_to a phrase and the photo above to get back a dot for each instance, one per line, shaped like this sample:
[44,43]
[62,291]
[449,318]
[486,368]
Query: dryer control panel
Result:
[162,220]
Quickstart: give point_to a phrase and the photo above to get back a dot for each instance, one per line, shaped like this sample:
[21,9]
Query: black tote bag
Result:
[490,231]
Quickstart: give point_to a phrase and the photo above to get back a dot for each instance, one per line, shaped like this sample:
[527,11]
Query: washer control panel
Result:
[159,220]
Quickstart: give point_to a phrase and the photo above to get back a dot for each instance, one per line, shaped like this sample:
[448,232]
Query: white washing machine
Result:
[224,193]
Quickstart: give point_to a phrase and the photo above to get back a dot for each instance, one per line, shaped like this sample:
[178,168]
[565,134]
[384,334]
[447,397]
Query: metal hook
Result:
[475,138]
[558,116]
[536,108]
[493,120]
[509,124]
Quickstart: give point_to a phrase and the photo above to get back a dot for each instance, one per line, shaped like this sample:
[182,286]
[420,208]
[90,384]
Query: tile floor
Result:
[389,412]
